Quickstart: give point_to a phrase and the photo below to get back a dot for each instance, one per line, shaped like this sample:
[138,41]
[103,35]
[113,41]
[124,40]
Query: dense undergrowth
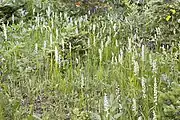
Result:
[91,60]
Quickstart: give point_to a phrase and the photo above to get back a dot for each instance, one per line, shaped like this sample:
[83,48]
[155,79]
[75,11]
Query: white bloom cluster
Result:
[45,44]
[134,106]
[154,115]
[112,59]
[140,118]
[120,57]
[5,31]
[136,68]
[119,98]
[154,66]
[56,55]
[143,84]
[150,59]
[106,102]
[155,91]
[100,55]
[36,48]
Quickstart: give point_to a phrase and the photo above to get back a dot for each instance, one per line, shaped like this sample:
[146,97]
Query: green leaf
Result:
[173,11]
[168,18]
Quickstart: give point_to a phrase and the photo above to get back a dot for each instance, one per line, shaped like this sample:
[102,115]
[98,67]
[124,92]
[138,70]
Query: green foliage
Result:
[155,21]
[170,101]
[167,19]
[8,107]
[60,62]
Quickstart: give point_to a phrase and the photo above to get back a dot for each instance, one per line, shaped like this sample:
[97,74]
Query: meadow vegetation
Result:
[89,60]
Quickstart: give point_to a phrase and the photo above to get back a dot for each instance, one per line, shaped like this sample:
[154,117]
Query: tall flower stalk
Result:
[5,31]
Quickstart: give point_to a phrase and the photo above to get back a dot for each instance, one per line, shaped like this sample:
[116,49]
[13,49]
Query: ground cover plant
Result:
[89,60]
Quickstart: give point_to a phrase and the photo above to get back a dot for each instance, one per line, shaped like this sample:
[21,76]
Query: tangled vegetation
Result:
[89,60]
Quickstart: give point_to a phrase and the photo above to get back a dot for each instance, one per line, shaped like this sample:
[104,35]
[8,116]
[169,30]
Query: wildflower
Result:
[48,11]
[77,31]
[136,68]
[13,18]
[86,17]
[5,31]
[89,12]
[108,41]
[106,102]
[119,99]
[143,84]
[135,37]
[142,53]
[150,59]
[70,47]
[71,21]
[115,60]
[62,42]
[117,43]
[115,27]
[89,42]
[140,118]
[158,31]
[35,10]
[155,91]
[134,106]
[77,61]
[154,115]
[36,48]
[154,67]
[56,55]
[45,44]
